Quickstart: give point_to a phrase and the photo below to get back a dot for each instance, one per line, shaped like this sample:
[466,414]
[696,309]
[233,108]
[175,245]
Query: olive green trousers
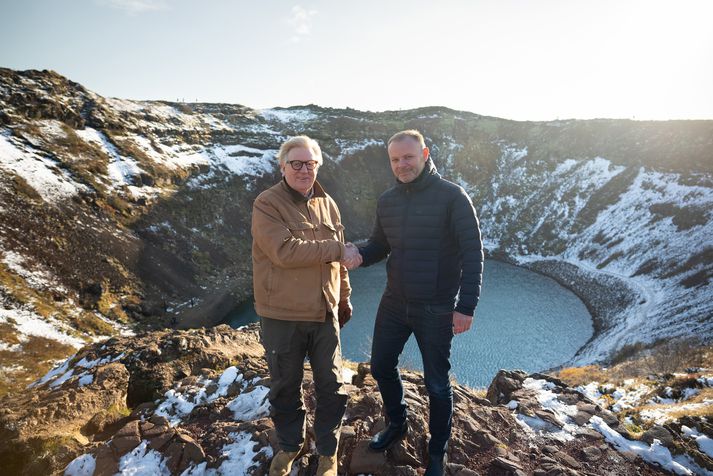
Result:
[287,344]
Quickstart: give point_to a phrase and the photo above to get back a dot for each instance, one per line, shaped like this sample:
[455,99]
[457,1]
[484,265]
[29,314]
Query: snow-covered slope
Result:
[650,230]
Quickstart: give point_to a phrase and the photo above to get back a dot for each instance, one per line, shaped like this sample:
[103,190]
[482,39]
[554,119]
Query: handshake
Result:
[352,258]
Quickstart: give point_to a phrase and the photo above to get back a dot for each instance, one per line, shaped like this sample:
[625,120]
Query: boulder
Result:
[504,384]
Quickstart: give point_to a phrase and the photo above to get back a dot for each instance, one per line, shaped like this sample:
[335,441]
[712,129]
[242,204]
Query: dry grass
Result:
[480,392]
[662,357]
[128,148]
[37,357]
[705,394]
[15,285]
[28,131]
[353,366]
[71,144]
[21,186]
[694,406]
[703,411]
[676,355]
[40,302]
[88,323]
[574,376]
[8,334]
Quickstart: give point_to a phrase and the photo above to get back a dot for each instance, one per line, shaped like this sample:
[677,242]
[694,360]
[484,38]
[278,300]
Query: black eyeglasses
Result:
[297,164]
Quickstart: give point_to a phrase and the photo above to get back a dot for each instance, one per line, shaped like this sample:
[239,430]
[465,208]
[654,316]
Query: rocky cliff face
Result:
[119,214]
[193,403]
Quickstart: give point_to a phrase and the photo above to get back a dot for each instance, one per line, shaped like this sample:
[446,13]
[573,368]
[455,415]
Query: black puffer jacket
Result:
[430,232]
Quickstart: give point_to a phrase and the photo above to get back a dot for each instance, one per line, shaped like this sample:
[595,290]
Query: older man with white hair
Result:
[302,297]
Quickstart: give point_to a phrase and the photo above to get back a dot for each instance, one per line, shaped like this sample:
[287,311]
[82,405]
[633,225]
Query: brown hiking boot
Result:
[327,466]
[282,463]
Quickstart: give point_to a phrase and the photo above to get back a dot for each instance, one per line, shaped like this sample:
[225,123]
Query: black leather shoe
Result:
[384,439]
[436,465]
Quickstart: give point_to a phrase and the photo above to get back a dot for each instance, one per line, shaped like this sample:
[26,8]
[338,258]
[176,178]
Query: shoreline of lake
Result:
[603,307]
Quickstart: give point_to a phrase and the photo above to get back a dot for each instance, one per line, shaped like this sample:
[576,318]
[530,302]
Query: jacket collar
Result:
[297,197]
[428,175]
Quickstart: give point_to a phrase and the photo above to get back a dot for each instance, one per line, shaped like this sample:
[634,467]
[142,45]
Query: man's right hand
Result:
[352,258]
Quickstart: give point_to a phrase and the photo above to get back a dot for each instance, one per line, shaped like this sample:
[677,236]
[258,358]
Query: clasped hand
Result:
[352,258]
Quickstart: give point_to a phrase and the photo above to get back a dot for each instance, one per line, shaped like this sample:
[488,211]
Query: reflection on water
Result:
[524,321]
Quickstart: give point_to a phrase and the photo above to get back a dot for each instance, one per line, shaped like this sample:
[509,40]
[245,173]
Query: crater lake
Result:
[524,320]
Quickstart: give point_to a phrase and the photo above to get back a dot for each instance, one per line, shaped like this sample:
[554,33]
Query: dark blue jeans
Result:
[432,325]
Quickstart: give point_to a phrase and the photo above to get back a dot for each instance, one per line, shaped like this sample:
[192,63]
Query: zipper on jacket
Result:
[403,241]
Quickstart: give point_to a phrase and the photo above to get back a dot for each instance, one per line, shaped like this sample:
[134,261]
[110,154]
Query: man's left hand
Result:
[461,322]
[344,312]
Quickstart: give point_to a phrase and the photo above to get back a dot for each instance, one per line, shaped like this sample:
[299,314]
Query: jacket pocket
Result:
[333,230]
[301,229]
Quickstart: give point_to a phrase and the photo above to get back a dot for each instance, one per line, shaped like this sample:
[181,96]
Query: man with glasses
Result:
[429,230]
[302,297]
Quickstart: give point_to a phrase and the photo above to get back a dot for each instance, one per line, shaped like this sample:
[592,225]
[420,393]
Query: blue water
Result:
[524,321]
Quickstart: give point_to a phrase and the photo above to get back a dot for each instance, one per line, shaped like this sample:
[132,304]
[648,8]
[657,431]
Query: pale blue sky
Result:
[517,59]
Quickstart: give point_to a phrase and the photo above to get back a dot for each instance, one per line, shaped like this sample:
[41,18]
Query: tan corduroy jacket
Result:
[297,246]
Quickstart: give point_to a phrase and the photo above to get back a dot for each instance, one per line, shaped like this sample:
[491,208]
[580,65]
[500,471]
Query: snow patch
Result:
[235,160]
[662,414]
[251,405]
[537,426]
[179,403]
[62,373]
[142,461]
[562,412]
[28,323]
[347,374]
[351,147]
[36,279]
[285,115]
[44,175]
[10,347]
[704,442]
[52,128]
[655,453]
[83,465]
[239,458]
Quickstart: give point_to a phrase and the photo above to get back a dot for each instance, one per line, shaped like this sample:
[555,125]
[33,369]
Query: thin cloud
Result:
[135,6]
[301,22]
